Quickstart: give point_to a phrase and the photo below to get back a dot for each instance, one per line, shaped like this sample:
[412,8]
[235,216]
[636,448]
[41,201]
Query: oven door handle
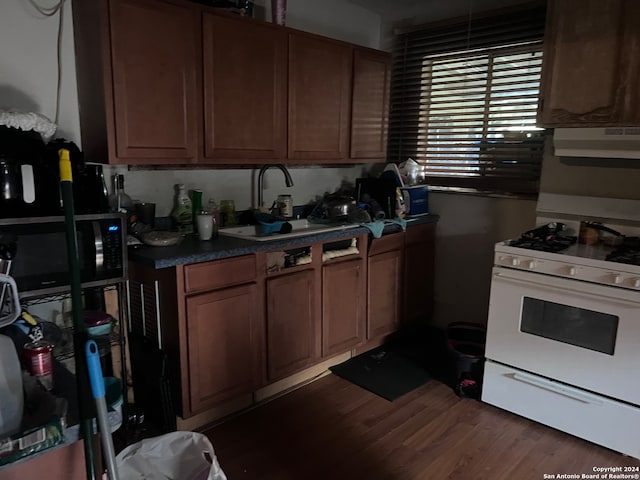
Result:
[558,388]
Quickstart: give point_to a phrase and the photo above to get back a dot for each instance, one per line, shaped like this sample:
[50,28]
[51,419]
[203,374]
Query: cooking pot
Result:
[592,233]
[334,207]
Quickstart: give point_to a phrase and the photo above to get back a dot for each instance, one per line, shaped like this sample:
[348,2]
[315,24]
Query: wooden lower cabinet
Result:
[343,306]
[384,279]
[418,273]
[224,338]
[232,326]
[292,323]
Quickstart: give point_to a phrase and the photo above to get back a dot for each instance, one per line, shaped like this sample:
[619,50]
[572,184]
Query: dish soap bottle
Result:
[182,212]
[119,201]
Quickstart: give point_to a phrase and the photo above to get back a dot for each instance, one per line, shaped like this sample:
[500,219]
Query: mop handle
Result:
[97,387]
[79,327]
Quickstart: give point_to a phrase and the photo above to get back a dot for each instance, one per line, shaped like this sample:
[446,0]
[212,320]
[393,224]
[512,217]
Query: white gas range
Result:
[563,333]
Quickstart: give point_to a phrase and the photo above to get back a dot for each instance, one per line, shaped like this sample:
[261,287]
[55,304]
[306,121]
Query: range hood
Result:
[616,142]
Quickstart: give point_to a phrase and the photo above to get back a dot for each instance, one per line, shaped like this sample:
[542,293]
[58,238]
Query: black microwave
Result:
[40,265]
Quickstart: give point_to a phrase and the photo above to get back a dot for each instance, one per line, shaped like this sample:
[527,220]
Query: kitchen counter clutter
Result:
[193,250]
[241,321]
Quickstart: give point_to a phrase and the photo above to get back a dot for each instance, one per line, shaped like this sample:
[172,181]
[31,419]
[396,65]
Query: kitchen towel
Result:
[376,228]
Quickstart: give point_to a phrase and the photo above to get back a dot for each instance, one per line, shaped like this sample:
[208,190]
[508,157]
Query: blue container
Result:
[416,200]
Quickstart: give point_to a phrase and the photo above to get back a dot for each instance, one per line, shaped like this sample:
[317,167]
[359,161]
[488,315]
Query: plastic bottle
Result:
[212,208]
[119,201]
[228,212]
[196,200]
[11,390]
[182,211]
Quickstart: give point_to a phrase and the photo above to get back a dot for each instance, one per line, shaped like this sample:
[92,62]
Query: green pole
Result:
[80,336]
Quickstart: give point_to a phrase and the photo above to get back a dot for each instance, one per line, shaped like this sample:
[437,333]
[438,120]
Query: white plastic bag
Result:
[173,456]
[410,170]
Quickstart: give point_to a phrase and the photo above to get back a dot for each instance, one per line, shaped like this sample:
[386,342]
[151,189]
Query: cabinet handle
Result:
[156,285]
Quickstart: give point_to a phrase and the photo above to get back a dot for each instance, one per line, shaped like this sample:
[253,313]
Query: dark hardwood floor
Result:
[332,429]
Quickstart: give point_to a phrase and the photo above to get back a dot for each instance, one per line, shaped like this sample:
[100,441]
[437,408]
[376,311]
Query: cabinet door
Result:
[383,296]
[154,59]
[319,98]
[583,77]
[245,88]
[292,326]
[224,341]
[343,306]
[370,104]
[418,273]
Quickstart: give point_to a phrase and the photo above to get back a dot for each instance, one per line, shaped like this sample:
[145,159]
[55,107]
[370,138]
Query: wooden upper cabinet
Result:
[155,49]
[319,98]
[175,82]
[590,73]
[245,89]
[370,104]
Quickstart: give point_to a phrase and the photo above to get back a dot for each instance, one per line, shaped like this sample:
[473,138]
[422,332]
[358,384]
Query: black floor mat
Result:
[389,371]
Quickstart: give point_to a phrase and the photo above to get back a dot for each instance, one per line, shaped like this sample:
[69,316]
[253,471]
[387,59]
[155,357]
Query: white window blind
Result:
[468,115]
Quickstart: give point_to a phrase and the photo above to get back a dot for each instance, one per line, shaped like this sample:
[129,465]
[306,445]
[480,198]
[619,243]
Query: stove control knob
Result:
[572,271]
[617,278]
[636,283]
[515,261]
[531,264]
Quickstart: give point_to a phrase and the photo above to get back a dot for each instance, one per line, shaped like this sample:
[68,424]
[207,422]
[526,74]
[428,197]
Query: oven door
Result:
[583,334]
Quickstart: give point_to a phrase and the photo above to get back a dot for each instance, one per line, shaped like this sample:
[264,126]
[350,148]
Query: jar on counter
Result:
[228,213]
[285,205]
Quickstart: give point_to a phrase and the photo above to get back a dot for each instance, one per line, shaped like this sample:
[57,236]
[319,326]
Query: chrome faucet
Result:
[287,178]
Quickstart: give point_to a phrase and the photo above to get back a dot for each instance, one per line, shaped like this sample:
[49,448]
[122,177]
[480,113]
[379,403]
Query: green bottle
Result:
[182,211]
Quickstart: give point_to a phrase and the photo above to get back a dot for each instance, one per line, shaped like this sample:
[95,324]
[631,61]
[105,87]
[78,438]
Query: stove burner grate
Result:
[556,244]
[547,238]
[625,255]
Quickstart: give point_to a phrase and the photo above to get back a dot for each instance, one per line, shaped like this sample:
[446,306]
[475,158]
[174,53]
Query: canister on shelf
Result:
[39,358]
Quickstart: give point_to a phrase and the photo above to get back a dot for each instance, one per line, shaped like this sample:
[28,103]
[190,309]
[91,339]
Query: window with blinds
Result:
[464,101]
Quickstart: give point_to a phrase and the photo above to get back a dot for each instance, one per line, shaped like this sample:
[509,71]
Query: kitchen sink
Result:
[299,228]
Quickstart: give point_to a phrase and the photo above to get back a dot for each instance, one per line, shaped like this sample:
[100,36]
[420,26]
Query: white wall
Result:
[28,66]
[158,185]
[595,177]
[339,19]
[468,229]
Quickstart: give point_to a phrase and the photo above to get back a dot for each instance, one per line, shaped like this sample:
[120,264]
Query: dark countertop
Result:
[194,250]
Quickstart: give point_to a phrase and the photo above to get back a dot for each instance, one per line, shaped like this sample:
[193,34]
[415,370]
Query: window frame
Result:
[410,102]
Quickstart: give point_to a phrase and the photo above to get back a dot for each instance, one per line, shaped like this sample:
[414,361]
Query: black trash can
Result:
[465,344]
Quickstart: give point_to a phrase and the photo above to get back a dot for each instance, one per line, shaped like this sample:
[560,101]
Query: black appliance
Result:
[382,190]
[30,178]
[28,187]
[40,265]
[90,193]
